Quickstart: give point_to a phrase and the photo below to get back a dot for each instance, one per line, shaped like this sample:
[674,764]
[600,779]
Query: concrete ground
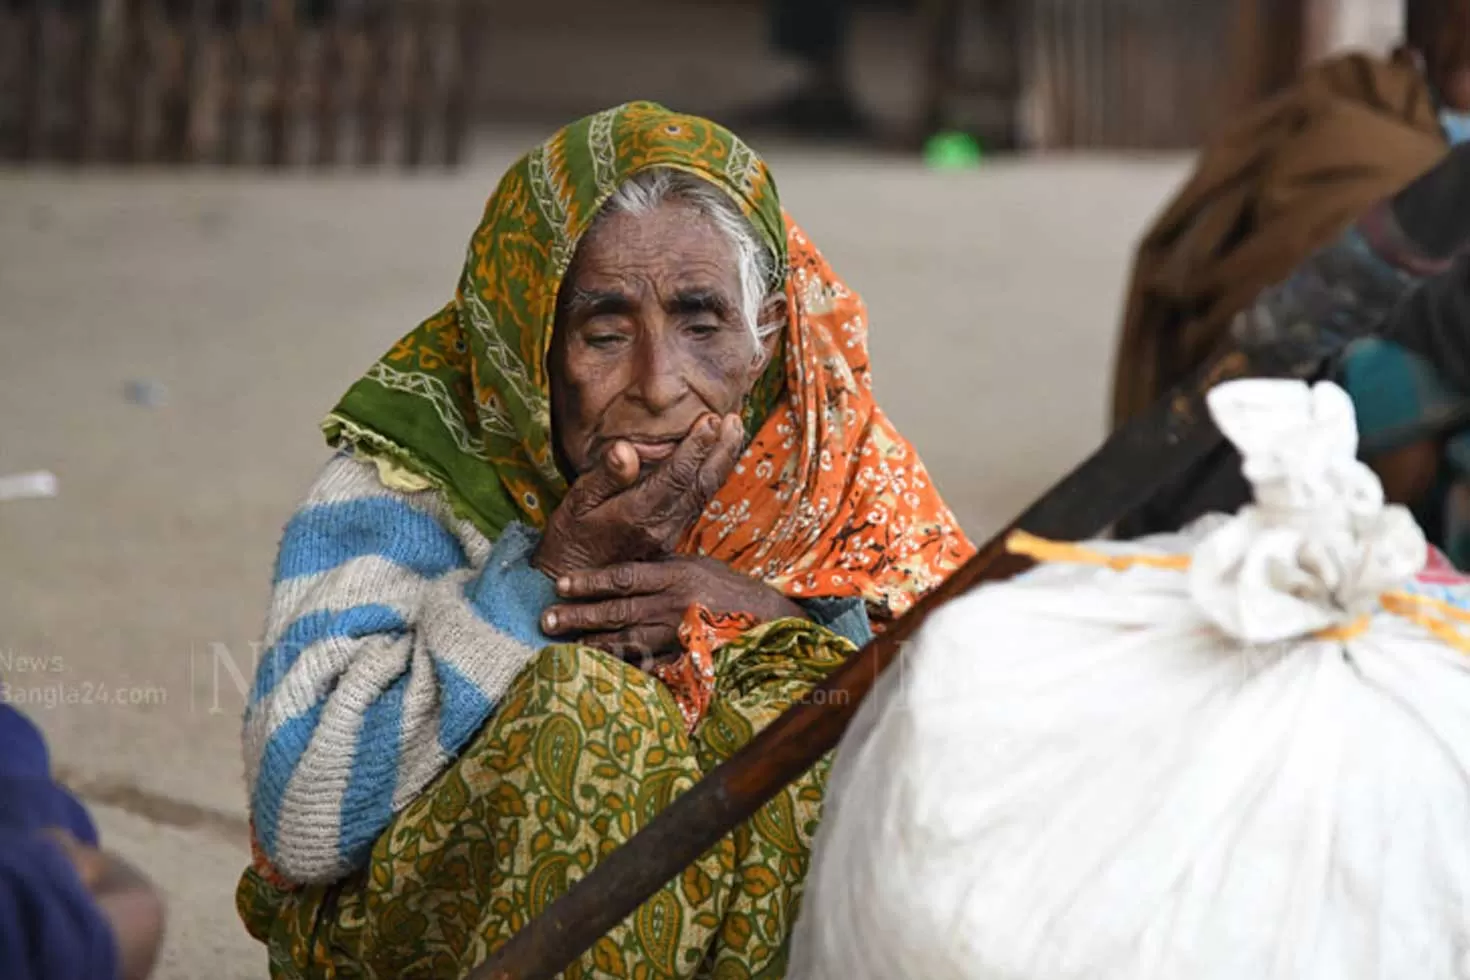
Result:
[238,307]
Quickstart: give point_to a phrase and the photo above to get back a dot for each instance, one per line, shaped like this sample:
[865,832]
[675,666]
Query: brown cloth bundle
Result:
[1278,182]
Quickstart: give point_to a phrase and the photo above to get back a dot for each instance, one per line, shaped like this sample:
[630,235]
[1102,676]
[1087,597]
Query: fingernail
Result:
[550,620]
[563,584]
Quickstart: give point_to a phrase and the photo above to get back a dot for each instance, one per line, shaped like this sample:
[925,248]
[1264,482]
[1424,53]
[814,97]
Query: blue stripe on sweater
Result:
[314,627]
[283,751]
[367,806]
[325,536]
[463,707]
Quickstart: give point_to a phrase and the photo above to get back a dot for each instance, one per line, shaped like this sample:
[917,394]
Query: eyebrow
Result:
[690,301]
[594,302]
[588,303]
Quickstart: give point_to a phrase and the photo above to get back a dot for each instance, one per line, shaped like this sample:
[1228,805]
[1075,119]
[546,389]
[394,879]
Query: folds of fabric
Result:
[583,753]
[1279,182]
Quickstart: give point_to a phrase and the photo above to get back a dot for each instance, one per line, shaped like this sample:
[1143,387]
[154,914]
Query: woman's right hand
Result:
[611,516]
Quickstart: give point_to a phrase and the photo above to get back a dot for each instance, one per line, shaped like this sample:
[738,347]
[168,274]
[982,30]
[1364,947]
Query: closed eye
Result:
[603,341]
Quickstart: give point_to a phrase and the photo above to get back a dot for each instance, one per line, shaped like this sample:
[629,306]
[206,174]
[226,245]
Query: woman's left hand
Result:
[634,610]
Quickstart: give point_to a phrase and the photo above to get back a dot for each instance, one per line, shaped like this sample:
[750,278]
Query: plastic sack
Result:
[1242,753]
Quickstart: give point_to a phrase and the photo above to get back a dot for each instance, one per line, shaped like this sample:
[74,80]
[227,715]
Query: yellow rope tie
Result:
[1435,616]
[1040,549]
[1345,632]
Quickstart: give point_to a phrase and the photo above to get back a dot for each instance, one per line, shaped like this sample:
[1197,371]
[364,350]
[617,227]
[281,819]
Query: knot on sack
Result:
[1319,547]
[1318,554]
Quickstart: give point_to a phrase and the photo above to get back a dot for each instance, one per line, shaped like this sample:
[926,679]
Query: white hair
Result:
[646,190]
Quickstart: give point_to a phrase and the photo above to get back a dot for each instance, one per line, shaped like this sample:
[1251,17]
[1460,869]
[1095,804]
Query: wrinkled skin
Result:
[650,364]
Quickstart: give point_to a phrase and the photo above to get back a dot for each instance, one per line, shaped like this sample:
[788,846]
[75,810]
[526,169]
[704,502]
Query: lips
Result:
[652,451]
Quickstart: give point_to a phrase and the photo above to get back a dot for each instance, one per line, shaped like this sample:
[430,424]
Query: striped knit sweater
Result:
[394,630]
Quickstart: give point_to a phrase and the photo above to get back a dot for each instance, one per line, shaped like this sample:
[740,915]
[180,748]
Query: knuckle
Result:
[682,474]
[620,613]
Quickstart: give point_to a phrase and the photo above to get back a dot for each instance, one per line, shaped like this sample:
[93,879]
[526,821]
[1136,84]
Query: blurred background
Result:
[214,214]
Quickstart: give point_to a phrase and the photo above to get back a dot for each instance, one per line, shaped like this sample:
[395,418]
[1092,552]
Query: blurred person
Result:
[1281,180]
[816,34]
[68,910]
[590,527]
[1280,183]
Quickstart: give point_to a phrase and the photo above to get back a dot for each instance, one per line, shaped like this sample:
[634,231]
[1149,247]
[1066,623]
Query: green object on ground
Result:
[952,151]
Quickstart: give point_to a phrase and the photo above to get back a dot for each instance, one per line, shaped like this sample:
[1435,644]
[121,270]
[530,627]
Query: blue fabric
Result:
[29,799]
[366,808]
[314,627]
[1456,126]
[848,618]
[278,762]
[511,594]
[466,707]
[325,536]
[49,926]
[1400,398]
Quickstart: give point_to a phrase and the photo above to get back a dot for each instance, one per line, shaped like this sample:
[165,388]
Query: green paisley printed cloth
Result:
[462,402]
[583,752]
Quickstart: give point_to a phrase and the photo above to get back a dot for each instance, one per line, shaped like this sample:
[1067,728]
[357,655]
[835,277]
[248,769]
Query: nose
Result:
[658,382]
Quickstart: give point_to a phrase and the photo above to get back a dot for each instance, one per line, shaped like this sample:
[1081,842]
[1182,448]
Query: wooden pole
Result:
[421,25]
[1271,42]
[81,141]
[233,77]
[32,93]
[330,63]
[181,96]
[460,95]
[279,115]
[1145,454]
[379,29]
[134,84]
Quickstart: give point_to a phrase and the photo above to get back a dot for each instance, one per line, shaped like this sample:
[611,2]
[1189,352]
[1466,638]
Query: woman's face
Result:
[649,336]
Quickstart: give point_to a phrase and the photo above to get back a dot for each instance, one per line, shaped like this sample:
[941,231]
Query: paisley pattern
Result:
[585,751]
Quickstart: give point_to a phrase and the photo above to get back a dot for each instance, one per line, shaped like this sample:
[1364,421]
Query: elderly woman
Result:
[589,528]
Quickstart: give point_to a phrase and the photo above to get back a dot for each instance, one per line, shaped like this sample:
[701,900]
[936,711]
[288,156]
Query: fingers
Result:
[613,581]
[622,460]
[716,468]
[645,647]
[679,474]
[624,612]
[615,472]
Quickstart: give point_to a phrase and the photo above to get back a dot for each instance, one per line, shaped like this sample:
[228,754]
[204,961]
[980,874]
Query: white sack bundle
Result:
[1233,763]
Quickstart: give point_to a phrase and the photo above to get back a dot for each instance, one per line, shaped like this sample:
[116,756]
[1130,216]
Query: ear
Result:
[773,310]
